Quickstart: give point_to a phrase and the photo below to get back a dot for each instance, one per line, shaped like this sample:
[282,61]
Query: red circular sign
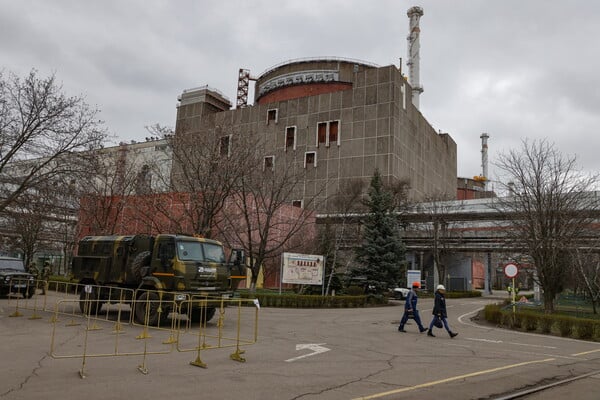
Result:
[511,270]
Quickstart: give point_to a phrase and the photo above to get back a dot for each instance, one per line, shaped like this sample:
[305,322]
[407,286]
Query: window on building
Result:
[328,133]
[310,159]
[333,132]
[297,203]
[225,148]
[321,133]
[290,137]
[272,116]
[269,163]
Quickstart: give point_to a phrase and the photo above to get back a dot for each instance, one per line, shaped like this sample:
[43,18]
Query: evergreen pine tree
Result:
[380,257]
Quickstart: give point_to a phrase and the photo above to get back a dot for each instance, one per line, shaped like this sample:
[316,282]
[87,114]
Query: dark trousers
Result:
[414,314]
[444,321]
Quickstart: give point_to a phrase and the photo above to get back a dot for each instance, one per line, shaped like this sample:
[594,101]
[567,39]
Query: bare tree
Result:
[112,176]
[28,223]
[208,164]
[345,204]
[587,267]
[38,219]
[260,217]
[549,211]
[41,129]
[438,208]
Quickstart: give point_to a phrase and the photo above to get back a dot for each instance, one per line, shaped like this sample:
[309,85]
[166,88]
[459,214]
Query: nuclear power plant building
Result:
[339,119]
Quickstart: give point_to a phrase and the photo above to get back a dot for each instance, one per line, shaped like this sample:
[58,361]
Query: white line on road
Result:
[513,343]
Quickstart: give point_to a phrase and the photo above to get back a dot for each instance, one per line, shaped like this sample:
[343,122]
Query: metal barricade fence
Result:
[91,300]
[103,313]
[240,329]
[94,342]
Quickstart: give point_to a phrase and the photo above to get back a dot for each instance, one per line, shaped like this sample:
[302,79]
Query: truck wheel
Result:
[197,314]
[140,261]
[147,306]
[89,303]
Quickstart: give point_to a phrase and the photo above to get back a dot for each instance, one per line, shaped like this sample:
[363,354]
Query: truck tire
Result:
[89,303]
[147,307]
[198,313]
[140,261]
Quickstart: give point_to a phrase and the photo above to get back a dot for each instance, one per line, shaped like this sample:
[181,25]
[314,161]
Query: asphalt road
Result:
[299,354]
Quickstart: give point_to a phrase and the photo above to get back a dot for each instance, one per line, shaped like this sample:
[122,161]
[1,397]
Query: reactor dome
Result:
[307,77]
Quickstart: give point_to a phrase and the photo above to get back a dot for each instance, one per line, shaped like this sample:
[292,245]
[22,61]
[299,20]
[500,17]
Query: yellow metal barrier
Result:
[94,342]
[240,329]
[100,314]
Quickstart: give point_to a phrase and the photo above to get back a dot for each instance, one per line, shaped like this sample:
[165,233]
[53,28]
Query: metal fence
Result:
[100,321]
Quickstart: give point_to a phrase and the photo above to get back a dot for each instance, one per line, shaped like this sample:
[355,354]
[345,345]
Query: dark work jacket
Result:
[439,306]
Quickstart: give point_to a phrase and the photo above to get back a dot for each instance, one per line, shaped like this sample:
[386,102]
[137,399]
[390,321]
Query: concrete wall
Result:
[378,128]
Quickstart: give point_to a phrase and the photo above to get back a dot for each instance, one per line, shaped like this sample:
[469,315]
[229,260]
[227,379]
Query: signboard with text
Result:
[303,269]
[412,275]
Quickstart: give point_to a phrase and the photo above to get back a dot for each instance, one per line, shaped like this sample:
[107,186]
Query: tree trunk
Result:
[548,302]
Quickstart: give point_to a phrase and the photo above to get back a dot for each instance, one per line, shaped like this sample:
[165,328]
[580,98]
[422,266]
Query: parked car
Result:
[400,293]
[14,278]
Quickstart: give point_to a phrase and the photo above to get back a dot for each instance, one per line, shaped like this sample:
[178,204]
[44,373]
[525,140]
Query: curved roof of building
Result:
[307,76]
[317,59]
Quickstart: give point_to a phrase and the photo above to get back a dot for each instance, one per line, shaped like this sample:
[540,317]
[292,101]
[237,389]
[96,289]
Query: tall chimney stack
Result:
[484,158]
[414,14]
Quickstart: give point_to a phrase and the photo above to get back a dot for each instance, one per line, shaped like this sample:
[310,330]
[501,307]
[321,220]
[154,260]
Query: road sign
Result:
[511,270]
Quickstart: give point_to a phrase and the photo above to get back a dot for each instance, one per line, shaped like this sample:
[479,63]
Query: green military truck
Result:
[169,268]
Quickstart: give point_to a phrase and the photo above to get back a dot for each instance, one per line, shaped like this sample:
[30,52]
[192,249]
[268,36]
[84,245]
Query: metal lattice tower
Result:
[243,86]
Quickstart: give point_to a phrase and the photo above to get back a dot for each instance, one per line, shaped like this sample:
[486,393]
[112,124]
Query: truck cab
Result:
[188,263]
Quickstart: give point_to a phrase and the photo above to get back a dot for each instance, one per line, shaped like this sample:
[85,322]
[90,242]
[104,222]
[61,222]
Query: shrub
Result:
[507,319]
[493,314]
[459,295]
[585,328]
[565,326]
[545,323]
[355,291]
[517,320]
[530,321]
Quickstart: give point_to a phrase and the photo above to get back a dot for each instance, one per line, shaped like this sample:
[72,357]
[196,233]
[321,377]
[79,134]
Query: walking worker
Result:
[439,312]
[410,309]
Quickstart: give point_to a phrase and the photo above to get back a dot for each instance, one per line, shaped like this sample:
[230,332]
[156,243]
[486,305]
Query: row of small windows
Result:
[310,157]
[328,133]
[310,160]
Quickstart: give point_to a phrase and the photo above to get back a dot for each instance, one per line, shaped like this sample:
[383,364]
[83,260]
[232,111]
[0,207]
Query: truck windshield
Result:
[213,252]
[196,251]
[11,264]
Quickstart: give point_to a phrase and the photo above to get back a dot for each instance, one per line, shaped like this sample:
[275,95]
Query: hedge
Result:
[453,294]
[315,301]
[555,324]
[291,300]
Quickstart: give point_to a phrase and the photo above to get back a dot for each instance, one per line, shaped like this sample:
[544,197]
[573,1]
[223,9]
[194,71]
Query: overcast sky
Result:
[513,68]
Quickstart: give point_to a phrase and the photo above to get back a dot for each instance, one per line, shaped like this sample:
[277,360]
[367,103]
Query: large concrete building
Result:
[339,119]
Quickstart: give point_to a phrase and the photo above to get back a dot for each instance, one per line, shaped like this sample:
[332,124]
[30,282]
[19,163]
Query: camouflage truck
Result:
[172,268]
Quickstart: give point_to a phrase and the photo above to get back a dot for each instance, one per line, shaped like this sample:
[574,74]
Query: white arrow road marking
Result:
[316,348]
